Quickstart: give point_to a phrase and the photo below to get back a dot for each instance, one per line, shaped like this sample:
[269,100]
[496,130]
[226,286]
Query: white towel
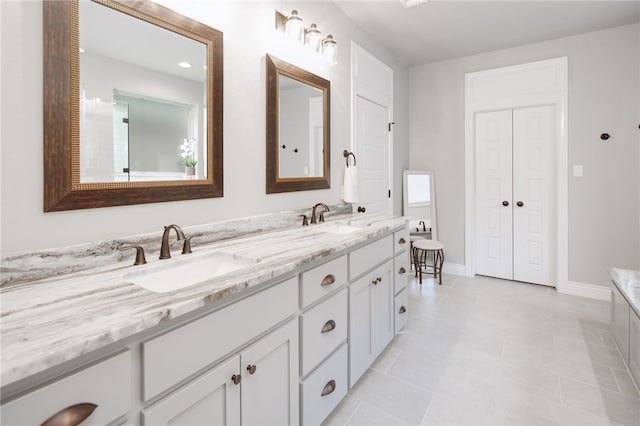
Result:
[351,193]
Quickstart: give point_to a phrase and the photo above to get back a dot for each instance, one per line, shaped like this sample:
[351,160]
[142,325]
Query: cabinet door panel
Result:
[402,270]
[270,393]
[360,327]
[383,315]
[212,399]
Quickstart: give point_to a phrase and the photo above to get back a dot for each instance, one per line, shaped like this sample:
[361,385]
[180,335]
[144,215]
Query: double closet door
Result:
[515,193]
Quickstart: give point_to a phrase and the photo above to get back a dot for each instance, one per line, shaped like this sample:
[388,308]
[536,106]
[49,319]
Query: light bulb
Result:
[313,39]
[294,27]
[330,50]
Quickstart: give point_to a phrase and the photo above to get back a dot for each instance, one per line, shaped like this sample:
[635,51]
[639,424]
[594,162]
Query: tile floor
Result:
[483,351]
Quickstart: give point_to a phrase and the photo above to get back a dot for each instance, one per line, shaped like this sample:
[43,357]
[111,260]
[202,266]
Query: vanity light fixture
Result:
[294,27]
[313,38]
[330,50]
[184,64]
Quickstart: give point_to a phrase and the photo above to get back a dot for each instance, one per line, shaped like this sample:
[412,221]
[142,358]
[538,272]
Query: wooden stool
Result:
[428,248]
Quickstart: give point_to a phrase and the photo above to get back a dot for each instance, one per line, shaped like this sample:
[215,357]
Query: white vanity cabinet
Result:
[634,346]
[402,269]
[620,321]
[107,385]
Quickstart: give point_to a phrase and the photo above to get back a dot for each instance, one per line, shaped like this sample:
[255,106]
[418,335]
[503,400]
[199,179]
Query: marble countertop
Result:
[48,322]
[628,282]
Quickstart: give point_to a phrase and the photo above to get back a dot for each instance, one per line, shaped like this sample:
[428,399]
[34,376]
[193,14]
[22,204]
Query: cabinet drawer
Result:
[620,321]
[176,355]
[402,270]
[401,306]
[107,385]
[401,240]
[634,347]
[322,280]
[323,329]
[370,256]
[331,380]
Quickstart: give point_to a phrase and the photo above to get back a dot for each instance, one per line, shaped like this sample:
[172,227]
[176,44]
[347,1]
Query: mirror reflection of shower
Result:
[419,203]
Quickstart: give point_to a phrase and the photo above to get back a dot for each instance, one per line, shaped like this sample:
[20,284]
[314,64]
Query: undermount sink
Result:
[178,273]
[339,228]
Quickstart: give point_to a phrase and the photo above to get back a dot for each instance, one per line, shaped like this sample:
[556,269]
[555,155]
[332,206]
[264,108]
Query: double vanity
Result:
[625,316]
[267,328]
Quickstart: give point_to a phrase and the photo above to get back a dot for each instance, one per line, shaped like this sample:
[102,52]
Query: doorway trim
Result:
[530,84]
[372,80]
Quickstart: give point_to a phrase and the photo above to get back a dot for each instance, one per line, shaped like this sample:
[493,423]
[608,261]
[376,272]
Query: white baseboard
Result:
[585,290]
[454,269]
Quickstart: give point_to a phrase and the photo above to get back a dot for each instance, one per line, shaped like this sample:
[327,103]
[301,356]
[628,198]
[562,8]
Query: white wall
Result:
[248,35]
[604,205]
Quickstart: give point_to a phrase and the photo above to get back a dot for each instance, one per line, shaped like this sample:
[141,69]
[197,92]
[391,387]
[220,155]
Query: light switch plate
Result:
[577,170]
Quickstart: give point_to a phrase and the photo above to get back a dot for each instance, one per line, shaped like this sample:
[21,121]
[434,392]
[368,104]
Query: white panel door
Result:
[494,240]
[372,152]
[533,193]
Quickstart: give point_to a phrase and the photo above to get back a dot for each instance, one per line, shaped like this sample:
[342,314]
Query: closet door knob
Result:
[519,204]
[505,203]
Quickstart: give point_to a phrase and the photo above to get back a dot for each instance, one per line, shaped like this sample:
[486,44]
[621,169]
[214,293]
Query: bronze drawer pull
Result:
[236,379]
[251,368]
[71,416]
[328,280]
[403,309]
[329,388]
[402,271]
[328,326]
[402,241]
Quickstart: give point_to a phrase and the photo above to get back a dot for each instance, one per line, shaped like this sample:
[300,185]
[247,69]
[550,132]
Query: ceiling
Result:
[445,29]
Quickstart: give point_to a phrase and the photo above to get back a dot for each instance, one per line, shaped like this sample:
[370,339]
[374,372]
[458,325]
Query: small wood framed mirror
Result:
[298,128]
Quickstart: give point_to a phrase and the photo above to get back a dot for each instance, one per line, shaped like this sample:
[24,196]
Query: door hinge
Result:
[389,193]
[391,124]
[125,120]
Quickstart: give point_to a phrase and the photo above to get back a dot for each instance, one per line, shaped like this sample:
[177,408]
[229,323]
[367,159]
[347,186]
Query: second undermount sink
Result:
[177,273]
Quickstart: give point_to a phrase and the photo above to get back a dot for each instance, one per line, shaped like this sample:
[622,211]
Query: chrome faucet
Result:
[313,212]
[165,253]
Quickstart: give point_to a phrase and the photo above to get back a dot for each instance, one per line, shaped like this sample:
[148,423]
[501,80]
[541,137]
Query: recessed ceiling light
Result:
[184,65]
[412,3]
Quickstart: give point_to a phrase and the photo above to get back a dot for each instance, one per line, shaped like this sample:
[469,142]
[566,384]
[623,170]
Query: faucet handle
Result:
[186,247]
[305,219]
[140,258]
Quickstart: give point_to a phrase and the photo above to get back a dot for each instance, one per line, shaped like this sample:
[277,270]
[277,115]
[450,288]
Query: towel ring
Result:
[348,154]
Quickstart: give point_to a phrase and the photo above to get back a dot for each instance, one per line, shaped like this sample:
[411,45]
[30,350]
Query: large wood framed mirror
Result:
[132,105]
[298,119]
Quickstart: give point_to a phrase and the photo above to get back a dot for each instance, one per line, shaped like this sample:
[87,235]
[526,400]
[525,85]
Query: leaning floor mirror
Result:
[419,203]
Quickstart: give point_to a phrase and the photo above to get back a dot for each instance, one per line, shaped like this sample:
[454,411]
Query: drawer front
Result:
[402,270]
[401,306]
[107,385]
[620,321]
[370,256]
[634,347]
[331,380]
[322,280]
[401,240]
[323,329]
[174,356]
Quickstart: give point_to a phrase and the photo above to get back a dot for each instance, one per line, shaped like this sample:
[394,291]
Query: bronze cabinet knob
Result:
[328,280]
[519,204]
[402,241]
[328,388]
[328,326]
[251,368]
[402,309]
[402,270]
[236,379]
[505,203]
